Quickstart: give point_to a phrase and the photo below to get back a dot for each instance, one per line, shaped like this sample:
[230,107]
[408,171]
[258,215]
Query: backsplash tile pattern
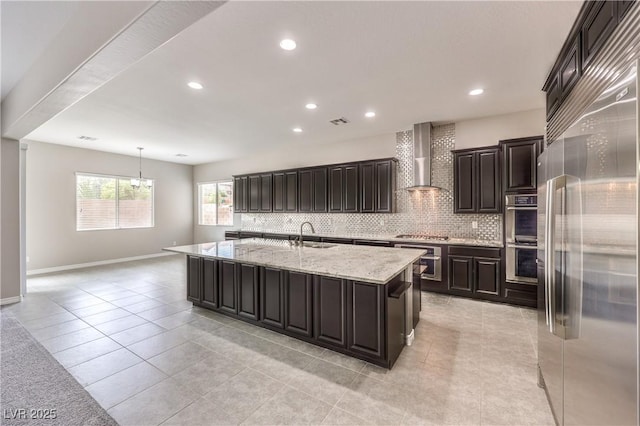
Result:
[429,212]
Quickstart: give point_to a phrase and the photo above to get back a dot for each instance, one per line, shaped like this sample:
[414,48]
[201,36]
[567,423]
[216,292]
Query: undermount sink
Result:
[317,245]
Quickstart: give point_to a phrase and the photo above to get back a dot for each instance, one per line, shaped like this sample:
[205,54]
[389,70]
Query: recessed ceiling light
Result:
[370,114]
[311,106]
[288,44]
[476,92]
[297,129]
[195,85]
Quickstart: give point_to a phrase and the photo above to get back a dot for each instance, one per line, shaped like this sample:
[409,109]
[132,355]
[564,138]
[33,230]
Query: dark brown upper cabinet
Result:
[254,193]
[265,192]
[593,26]
[320,195]
[305,190]
[240,203]
[312,190]
[285,191]
[519,160]
[378,186]
[343,188]
[365,186]
[598,26]
[476,181]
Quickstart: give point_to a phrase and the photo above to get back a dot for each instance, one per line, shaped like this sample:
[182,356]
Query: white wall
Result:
[489,130]
[52,239]
[380,146]
[9,221]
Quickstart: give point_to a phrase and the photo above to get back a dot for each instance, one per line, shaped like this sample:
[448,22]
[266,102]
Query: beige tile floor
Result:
[128,335]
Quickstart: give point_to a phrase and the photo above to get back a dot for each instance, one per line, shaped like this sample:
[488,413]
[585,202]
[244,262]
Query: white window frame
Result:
[216,182]
[117,191]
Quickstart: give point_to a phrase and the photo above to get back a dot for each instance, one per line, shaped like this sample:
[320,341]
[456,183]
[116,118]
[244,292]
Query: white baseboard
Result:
[8,300]
[98,263]
[411,337]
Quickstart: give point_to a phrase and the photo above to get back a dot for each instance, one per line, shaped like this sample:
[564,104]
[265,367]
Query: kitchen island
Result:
[357,300]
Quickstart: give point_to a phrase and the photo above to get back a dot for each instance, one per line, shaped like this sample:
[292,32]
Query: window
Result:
[110,202]
[215,203]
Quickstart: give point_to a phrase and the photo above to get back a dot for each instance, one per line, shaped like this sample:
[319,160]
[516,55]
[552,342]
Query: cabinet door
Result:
[272,296]
[227,287]
[248,291]
[240,194]
[489,197]
[254,193]
[350,188]
[365,323]
[209,283]
[487,275]
[298,298]
[520,164]
[464,170]
[329,310]
[385,191]
[336,183]
[279,192]
[367,188]
[265,192]
[194,278]
[305,191]
[291,194]
[553,96]
[600,23]
[460,273]
[320,189]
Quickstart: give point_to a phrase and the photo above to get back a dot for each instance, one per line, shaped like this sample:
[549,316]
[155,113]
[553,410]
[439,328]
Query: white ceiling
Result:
[27,27]
[408,61]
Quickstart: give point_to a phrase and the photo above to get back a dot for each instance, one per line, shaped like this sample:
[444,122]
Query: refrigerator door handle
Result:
[547,257]
[556,184]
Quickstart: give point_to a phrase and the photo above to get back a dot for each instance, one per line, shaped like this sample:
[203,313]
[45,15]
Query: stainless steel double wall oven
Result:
[521,238]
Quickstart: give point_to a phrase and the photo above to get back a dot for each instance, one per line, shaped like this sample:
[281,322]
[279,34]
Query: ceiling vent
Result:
[87,138]
[181,155]
[339,121]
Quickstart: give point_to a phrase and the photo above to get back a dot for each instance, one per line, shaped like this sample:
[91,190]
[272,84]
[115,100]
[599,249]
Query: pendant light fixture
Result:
[136,182]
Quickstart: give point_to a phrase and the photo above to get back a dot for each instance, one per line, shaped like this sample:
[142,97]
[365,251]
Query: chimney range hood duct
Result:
[422,158]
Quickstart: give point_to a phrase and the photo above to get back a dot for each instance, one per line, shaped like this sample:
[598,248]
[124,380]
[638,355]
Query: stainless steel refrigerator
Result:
[588,262]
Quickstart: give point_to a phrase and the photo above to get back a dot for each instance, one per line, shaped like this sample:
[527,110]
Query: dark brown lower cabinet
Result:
[476,272]
[329,310]
[298,303]
[194,280]
[248,295]
[365,306]
[228,298]
[209,283]
[487,274]
[360,319]
[460,273]
[272,296]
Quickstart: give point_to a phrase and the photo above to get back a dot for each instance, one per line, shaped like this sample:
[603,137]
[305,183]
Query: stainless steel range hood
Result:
[422,158]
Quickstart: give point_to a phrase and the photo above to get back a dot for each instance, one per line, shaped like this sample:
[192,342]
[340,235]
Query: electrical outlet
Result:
[474,224]
[174,243]
[27,259]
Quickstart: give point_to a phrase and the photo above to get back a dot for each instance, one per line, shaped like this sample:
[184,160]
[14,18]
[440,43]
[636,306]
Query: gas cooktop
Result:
[422,237]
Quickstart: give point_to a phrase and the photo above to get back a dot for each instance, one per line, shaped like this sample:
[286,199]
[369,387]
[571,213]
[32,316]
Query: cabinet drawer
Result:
[475,251]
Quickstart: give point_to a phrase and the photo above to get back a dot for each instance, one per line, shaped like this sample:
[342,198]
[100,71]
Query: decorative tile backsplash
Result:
[419,212]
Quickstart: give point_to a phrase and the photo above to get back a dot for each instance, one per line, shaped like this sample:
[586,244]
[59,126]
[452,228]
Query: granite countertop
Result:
[391,237]
[362,263]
